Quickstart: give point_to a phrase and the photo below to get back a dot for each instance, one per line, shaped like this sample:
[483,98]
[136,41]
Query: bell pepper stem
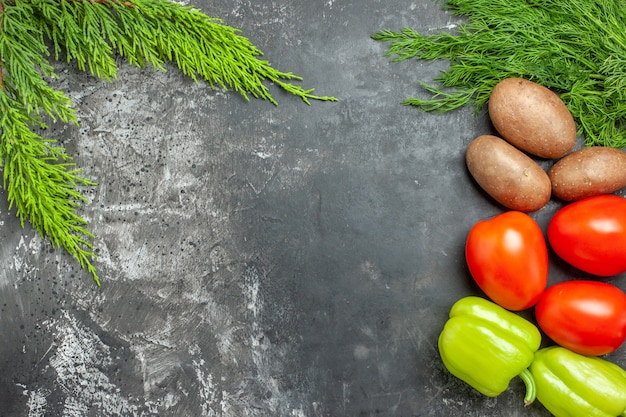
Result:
[531,391]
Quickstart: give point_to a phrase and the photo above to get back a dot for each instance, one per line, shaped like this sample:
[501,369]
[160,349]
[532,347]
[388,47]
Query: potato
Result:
[507,174]
[532,118]
[588,172]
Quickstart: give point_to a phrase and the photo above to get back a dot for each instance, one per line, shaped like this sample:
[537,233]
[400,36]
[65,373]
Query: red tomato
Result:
[590,234]
[508,258]
[587,317]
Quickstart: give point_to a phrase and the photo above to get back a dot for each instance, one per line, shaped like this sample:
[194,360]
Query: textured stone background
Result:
[257,260]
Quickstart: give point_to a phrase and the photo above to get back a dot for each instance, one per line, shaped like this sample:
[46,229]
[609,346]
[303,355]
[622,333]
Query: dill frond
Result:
[576,48]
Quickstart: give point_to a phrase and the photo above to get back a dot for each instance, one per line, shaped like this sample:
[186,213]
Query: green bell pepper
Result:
[572,385]
[487,346]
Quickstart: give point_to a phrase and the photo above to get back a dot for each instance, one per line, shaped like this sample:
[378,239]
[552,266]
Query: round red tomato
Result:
[508,258]
[590,234]
[586,317]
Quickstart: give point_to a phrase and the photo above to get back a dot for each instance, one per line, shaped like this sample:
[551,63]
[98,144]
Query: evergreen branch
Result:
[1,60]
[155,32]
[23,52]
[40,178]
[41,184]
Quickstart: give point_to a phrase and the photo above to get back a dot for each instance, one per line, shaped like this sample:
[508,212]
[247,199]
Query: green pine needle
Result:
[575,47]
[40,178]
[41,184]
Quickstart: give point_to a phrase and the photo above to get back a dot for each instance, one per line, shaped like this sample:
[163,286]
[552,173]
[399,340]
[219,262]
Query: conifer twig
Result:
[39,176]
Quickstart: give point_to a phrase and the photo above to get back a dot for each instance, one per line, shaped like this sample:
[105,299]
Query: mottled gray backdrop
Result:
[257,260]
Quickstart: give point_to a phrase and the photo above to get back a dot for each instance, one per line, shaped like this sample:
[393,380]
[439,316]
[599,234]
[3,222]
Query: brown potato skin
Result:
[532,118]
[588,172]
[508,175]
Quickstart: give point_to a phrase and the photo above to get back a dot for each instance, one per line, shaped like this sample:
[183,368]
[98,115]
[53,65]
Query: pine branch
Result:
[41,184]
[154,32]
[40,178]
[23,53]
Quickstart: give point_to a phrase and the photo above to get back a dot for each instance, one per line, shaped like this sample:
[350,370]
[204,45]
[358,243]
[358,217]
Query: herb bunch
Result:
[575,47]
[41,180]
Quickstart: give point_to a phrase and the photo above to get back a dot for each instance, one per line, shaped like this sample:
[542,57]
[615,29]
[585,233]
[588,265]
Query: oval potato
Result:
[507,174]
[532,118]
[588,172]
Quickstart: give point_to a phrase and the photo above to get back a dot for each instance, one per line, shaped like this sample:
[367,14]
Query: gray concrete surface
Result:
[257,260]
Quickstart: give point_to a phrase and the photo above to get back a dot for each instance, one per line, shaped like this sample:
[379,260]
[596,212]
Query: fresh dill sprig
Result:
[575,47]
[39,176]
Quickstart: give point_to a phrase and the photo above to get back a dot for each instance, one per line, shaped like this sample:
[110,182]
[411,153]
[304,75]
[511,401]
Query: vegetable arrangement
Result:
[484,342]
[507,256]
[548,71]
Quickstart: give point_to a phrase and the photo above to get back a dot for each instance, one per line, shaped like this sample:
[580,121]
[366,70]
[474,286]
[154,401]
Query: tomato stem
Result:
[531,392]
